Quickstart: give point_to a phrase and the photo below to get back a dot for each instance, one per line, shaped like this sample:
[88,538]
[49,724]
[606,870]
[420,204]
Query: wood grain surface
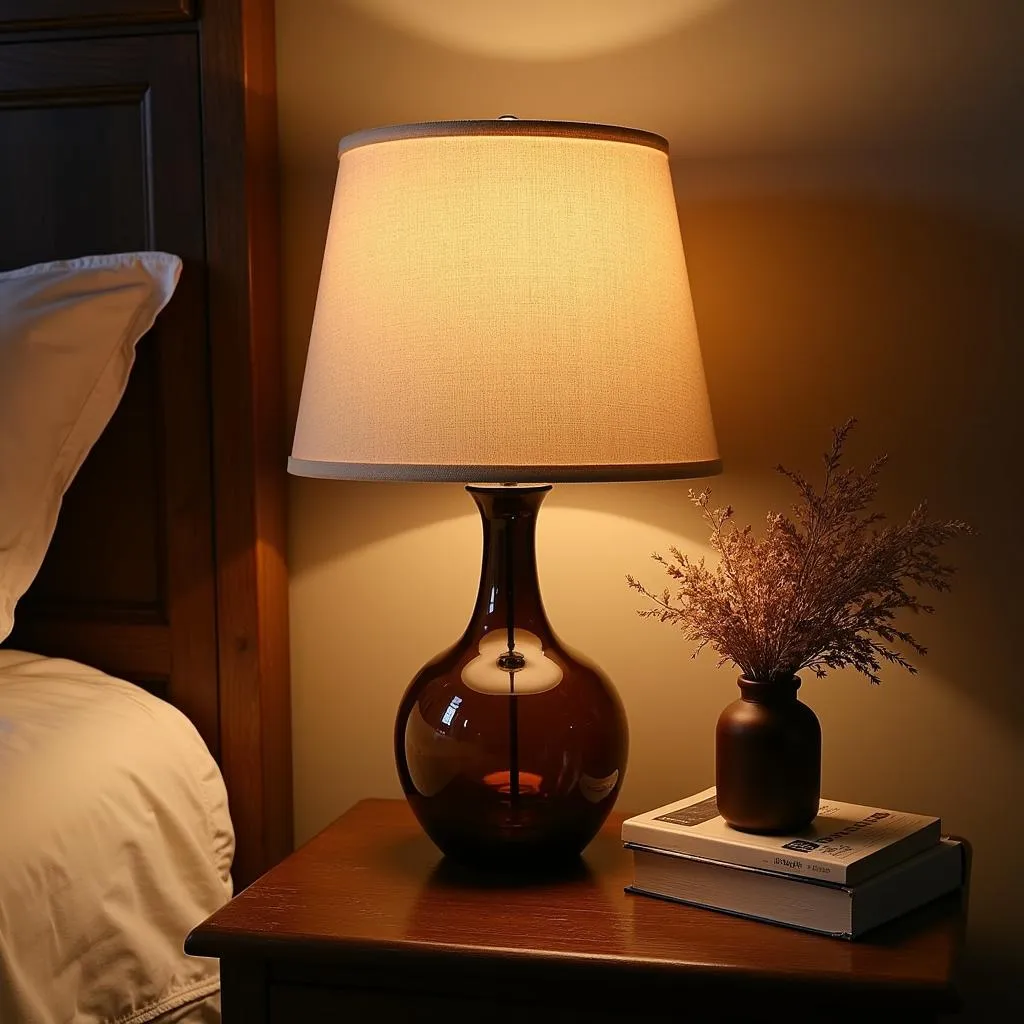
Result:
[369,903]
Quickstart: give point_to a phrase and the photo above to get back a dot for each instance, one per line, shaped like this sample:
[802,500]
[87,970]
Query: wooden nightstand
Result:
[367,922]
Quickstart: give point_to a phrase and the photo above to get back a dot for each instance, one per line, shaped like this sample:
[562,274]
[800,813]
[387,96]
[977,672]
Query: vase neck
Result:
[508,576]
[771,691]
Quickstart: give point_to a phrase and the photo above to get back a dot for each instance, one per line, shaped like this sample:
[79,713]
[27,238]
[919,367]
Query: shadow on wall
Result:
[909,318]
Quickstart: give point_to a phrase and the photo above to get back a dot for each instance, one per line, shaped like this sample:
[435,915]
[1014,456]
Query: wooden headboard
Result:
[151,124]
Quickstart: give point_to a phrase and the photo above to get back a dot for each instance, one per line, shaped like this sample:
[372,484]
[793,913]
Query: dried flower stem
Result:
[820,590]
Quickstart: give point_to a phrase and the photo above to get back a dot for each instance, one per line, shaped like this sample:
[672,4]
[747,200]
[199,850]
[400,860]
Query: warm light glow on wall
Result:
[539,29]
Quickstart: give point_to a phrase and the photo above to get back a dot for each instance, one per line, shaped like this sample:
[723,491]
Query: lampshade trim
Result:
[502,474]
[551,129]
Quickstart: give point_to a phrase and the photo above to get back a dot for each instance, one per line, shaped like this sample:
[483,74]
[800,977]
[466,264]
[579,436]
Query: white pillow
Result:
[67,343]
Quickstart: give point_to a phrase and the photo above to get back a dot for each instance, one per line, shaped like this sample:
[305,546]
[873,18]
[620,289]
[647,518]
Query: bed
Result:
[160,609]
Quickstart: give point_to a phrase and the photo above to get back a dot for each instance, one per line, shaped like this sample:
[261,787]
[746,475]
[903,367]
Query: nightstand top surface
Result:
[372,888]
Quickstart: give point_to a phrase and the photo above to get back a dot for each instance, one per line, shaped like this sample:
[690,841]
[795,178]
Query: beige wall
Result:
[853,217]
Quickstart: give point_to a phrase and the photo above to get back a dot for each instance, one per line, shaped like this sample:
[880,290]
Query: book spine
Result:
[781,862]
[785,923]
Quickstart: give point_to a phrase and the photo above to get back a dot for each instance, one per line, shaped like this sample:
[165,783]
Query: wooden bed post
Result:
[249,447]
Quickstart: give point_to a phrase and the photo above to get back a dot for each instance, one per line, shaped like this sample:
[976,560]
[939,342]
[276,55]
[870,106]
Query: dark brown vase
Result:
[511,748]
[768,759]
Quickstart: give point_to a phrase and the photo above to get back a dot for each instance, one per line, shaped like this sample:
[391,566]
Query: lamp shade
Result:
[504,301]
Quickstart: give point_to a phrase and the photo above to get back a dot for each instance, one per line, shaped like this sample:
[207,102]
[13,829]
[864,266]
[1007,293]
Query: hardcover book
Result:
[841,911]
[845,844]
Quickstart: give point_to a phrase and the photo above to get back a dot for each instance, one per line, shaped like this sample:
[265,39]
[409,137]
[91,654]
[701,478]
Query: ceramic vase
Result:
[768,759]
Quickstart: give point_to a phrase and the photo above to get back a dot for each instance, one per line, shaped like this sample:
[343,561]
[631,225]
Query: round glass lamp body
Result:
[510,754]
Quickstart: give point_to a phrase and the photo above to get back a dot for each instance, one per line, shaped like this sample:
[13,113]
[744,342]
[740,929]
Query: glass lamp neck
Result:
[508,576]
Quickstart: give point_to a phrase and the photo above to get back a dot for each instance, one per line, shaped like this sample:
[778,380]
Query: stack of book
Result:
[852,869]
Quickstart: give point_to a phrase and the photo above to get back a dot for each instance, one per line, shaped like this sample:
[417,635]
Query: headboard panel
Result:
[88,13]
[167,566]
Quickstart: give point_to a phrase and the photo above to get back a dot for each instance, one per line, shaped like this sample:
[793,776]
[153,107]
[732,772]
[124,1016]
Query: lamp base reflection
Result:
[526,783]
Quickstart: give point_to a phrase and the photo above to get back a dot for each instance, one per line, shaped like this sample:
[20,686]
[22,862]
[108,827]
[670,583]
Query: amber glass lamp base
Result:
[511,748]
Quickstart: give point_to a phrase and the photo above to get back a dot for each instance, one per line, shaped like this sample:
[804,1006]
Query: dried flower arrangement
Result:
[819,591]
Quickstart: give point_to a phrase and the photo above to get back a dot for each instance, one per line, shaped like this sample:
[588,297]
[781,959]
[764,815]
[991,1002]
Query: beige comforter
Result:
[115,841]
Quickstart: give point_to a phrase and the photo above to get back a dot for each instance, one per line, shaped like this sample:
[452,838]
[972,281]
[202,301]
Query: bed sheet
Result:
[115,841]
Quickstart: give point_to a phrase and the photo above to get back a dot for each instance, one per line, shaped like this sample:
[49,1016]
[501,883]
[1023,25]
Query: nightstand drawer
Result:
[289,1002]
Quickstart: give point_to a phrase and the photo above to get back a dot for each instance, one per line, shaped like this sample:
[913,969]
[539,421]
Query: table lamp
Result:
[505,304]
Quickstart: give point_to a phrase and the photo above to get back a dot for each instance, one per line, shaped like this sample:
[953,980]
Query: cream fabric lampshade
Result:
[504,301]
